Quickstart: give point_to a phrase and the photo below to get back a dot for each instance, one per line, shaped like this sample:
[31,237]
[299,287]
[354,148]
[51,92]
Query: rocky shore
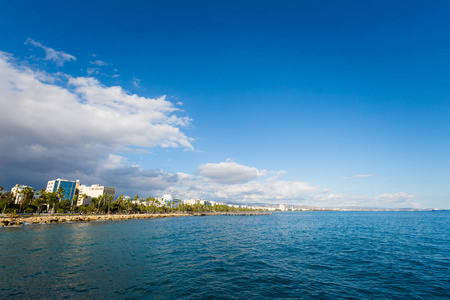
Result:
[12,221]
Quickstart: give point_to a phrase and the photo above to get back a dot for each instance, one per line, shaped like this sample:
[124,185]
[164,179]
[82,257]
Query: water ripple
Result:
[321,255]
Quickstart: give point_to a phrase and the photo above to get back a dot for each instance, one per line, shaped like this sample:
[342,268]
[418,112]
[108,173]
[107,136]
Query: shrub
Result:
[10,211]
[28,210]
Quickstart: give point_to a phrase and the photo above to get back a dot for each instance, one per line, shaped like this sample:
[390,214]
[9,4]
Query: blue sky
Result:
[306,102]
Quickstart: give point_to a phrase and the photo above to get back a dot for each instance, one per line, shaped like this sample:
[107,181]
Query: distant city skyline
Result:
[303,103]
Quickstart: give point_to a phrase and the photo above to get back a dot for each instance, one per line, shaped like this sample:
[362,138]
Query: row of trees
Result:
[32,202]
[127,206]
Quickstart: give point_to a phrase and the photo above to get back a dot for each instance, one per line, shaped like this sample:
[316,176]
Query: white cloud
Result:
[129,178]
[363,176]
[136,82]
[58,57]
[396,200]
[133,179]
[93,71]
[98,62]
[229,172]
[50,128]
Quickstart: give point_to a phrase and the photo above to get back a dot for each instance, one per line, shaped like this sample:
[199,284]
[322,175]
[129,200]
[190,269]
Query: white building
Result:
[169,201]
[283,207]
[138,201]
[191,201]
[94,191]
[17,193]
[167,198]
[197,201]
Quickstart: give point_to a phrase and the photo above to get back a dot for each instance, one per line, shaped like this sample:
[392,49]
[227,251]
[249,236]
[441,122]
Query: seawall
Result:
[11,221]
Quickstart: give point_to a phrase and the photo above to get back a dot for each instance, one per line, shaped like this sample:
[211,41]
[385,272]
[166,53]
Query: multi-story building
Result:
[166,199]
[191,201]
[217,203]
[169,201]
[283,207]
[93,191]
[17,193]
[197,201]
[70,188]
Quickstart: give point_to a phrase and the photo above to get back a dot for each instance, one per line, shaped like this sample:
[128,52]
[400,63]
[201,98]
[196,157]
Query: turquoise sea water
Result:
[304,255]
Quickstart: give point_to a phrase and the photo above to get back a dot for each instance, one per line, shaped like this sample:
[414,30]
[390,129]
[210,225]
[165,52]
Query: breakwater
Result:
[43,219]
[17,221]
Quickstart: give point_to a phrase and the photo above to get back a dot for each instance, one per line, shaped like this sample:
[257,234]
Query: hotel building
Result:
[17,193]
[94,191]
[69,187]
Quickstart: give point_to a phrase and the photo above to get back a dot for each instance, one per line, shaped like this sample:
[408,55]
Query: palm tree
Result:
[101,199]
[110,199]
[51,199]
[41,200]
[27,197]
[128,203]
[60,193]
[121,203]
[74,202]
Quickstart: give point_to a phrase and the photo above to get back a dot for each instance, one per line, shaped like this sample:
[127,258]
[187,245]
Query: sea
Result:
[286,255]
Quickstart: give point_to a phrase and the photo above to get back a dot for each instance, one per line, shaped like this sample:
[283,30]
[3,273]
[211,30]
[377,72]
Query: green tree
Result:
[101,199]
[74,201]
[52,200]
[128,204]
[41,200]
[7,200]
[134,205]
[110,199]
[27,197]
[90,208]
[121,206]
[60,193]
[94,202]
[64,205]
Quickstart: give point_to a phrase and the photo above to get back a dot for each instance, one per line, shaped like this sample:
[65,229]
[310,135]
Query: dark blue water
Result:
[306,255]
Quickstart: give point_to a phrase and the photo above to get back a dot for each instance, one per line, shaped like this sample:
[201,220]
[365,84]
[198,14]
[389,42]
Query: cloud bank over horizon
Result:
[57,125]
[266,188]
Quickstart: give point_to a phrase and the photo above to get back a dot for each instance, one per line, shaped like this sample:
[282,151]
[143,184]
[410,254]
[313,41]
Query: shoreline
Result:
[19,221]
[46,219]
